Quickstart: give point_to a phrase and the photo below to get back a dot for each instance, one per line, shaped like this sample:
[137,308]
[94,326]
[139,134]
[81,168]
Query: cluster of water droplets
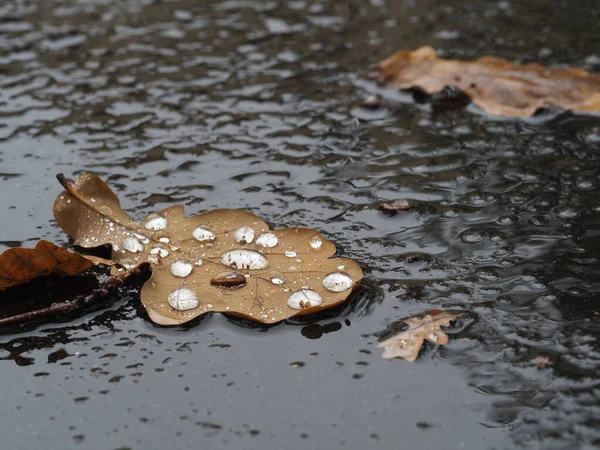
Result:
[246,259]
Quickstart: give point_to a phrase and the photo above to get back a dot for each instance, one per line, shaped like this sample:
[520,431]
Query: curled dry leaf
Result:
[224,260]
[494,84]
[20,265]
[407,343]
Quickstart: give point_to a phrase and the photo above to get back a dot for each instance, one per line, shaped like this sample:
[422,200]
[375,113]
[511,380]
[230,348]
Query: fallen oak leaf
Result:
[494,84]
[407,343]
[224,260]
[20,265]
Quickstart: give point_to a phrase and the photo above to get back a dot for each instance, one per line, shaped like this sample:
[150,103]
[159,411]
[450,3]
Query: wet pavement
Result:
[256,105]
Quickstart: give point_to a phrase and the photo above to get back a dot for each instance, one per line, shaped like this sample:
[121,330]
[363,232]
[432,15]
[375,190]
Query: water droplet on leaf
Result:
[337,282]
[268,240]
[183,299]
[132,245]
[181,268]
[244,235]
[162,252]
[277,277]
[156,223]
[316,242]
[245,259]
[203,234]
[304,298]
[291,252]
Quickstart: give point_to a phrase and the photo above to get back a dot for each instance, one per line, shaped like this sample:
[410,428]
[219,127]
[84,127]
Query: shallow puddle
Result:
[256,105]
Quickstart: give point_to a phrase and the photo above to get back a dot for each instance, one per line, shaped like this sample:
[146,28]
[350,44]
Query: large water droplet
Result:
[181,268]
[291,252]
[245,259]
[132,245]
[162,252]
[229,280]
[183,299]
[338,282]
[277,277]
[268,240]
[304,298]
[243,235]
[203,234]
[156,223]
[316,242]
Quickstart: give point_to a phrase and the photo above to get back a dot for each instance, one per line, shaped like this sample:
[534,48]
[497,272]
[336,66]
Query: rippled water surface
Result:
[256,104]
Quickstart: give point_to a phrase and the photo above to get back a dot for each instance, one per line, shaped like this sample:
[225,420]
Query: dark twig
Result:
[106,289]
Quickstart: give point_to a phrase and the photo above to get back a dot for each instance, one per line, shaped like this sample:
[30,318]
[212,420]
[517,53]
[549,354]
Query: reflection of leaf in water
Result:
[220,261]
[407,343]
[20,265]
[494,84]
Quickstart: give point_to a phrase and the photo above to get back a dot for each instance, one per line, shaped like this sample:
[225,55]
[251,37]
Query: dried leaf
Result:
[494,84]
[407,343]
[393,207]
[221,261]
[20,265]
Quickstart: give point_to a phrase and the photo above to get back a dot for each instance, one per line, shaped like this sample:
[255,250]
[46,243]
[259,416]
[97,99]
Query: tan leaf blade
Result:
[193,271]
[407,343]
[494,84]
[20,265]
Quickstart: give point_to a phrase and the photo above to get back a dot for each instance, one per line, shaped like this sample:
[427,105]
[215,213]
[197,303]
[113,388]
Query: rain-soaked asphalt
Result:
[256,104]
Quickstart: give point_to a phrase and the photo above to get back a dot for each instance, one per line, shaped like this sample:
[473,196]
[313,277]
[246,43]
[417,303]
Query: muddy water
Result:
[255,104]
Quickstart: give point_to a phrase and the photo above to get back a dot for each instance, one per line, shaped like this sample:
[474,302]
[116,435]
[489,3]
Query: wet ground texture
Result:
[256,104]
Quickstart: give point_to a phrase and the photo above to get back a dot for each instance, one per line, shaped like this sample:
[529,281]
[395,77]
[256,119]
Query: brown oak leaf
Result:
[223,260]
[494,84]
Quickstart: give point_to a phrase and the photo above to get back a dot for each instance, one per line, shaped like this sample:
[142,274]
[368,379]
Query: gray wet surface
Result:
[255,104]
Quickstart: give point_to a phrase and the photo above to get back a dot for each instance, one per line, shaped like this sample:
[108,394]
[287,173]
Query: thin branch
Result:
[107,288]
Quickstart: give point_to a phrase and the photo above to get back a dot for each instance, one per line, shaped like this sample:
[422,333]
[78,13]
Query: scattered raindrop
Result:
[341,267]
[472,236]
[181,268]
[267,240]
[156,223]
[132,245]
[291,252]
[229,280]
[245,259]
[243,235]
[277,277]
[566,212]
[183,299]
[203,234]
[198,263]
[162,252]
[164,240]
[304,298]
[315,242]
[338,282]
